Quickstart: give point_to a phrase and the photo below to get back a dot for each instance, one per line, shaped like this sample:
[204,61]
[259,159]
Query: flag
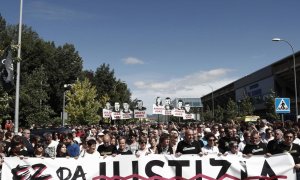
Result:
[7,72]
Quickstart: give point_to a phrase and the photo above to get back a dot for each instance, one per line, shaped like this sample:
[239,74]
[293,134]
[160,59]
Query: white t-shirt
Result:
[210,150]
[50,150]
[85,154]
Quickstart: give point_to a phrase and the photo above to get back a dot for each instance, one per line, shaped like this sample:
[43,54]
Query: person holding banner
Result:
[73,149]
[188,145]
[255,147]
[90,151]
[287,146]
[61,150]
[123,147]
[164,146]
[233,145]
[107,149]
[210,147]
[142,150]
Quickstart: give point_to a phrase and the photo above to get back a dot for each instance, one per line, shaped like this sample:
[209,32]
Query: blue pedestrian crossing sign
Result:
[282,105]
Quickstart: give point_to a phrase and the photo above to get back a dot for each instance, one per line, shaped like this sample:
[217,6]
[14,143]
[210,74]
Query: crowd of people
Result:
[236,138]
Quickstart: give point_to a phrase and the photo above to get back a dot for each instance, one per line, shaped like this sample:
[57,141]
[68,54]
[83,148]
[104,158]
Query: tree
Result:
[34,107]
[106,83]
[64,68]
[82,105]
[231,109]
[270,106]
[219,114]
[246,108]
[62,64]
[208,116]
[5,109]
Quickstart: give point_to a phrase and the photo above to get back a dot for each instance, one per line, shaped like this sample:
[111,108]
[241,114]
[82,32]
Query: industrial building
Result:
[279,77]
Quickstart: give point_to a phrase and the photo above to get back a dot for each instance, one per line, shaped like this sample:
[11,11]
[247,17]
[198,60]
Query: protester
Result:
[133,144]
[142,150]
[50,145]
[233,149]
[224,141]
[72,148]
[123,148]
[39,150]
[61,150]
[17,147]
[272,145]
[188,145]
[246,137]
[107,149]
[289,147]
[153,145]
[211,147]
[268,136]
[164,146]
[90,150]
[255,147]
[27,143]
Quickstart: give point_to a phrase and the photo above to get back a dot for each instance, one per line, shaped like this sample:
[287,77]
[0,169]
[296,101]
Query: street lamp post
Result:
[16,129]
[295,76]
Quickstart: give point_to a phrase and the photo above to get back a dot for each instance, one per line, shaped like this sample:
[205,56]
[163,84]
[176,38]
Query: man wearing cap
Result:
[188,145]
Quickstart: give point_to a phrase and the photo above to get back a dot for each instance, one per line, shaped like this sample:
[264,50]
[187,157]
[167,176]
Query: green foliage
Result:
[270,107]
[246,108]
[5,100]
[34,108]
[219,114]
[231,109]
[45,68]
[208,115]
[106,84]
[82,105]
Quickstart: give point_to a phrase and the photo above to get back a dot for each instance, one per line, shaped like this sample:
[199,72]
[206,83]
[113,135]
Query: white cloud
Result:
[197,84]
[184,83]
[132,60]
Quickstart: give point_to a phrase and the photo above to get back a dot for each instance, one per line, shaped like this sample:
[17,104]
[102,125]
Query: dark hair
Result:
[16,140]
[91,142]
[209,135]
[164,137]
[143,140]
[58,152]
[289,132]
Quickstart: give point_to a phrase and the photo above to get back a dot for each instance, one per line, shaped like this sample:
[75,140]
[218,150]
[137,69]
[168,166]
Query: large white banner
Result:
[160,167]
